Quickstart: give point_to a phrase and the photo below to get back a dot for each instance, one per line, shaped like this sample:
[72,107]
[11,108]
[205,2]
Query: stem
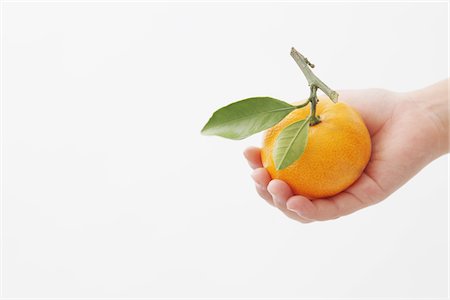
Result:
[313,119]
[313,80]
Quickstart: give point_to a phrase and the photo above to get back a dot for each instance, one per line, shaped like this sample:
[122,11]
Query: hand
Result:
[407,133]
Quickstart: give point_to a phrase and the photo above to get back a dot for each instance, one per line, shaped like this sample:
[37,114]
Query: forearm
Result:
[434,100]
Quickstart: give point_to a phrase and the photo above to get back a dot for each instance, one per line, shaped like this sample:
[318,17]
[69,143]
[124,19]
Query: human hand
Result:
[408,131]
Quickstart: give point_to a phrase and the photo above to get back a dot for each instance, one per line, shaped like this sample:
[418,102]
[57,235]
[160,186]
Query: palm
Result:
[396,150]
[396,157]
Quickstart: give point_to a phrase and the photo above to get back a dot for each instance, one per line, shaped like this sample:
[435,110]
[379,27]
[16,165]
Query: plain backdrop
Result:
[109,190]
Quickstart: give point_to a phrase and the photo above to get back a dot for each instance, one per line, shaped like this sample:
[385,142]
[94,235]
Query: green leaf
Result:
[290,144]
[246,117]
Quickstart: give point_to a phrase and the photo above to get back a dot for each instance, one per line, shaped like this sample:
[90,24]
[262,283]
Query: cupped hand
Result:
[405,137]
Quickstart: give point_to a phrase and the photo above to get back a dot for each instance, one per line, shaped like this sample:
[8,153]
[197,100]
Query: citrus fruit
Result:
[337,151]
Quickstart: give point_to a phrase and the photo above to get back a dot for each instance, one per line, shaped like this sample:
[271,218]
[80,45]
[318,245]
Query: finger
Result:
[292,215]
[325,209]
[367,189]
[263,193]
[303,207]
[262,179]
[253,156]
[281,192]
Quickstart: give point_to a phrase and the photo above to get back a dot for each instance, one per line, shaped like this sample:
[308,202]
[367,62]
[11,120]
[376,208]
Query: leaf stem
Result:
[303,104]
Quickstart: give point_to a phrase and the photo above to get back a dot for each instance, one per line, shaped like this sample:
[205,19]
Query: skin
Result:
[408,131]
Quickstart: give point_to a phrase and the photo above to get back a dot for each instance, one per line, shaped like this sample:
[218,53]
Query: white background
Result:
[109,190]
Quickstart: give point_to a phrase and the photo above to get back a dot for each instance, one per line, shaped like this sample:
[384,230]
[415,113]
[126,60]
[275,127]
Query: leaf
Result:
[290,144]
[243,118]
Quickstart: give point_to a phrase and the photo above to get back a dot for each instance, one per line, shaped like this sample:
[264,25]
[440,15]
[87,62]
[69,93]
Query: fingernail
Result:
[278,201]
[269,188]
[288,206]
[253,176]
[293,210]
[258,185]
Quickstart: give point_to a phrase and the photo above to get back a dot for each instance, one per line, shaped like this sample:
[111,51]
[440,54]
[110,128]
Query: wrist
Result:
[434,102]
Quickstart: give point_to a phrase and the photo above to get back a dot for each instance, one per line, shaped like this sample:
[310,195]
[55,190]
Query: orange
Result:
[337,151]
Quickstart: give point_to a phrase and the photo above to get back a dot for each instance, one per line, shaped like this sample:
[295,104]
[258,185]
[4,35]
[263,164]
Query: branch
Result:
[313,80]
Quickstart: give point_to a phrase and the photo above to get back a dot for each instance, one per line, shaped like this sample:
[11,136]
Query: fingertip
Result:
[301,206]
[251,149]
[280,192]
[253,156]
[277,186]
[261,176]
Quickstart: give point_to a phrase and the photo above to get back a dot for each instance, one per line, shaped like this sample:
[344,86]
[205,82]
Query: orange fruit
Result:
[337,151]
